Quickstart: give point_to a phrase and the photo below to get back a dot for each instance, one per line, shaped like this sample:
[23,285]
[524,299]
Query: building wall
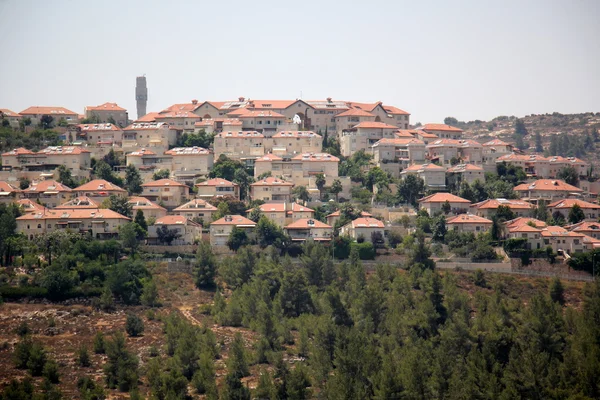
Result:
[201,163]
[211,191]
[172,196]
[99,228]
[120,117]
[475,228]
[271,192]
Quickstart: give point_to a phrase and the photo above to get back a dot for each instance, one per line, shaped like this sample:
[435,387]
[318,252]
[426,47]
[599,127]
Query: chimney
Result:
[241,99]
[194,102]
[329,99]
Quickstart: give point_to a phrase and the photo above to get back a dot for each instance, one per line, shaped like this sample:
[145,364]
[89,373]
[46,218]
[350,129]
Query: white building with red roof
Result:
[99,190]
[12,117]
[468,223]
[363,135]
[79,202]
[102,135]
[336,215]
[433,175]
[221,228]
[239,145]
[186,231]
[151,210]
[75,158]
[466,173]
[285,213]
[443,131]
[547,190]
[50,193]
[434,203]
[167,192]
[591,229]
[309,229]
[196,210]
[217,187]
[563,207]
[189,163]
[98,223]
[9,193]
[270,188]
[158,135]
[35,113]
[363,227]
[30,206]
[489,207]
[108,113]
[294,142]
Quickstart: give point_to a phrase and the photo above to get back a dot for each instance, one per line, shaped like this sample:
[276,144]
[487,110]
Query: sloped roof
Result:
[568,203]
[307,223]
[548,185]
[468,219]
[163,183]
[216,182]
[441,127]
[105,107]
[495,203]
[367,222]
[99,185]
[442,198]
[236,220]
[271,181]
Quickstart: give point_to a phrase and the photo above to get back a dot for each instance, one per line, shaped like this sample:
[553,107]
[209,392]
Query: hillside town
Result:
[318,170]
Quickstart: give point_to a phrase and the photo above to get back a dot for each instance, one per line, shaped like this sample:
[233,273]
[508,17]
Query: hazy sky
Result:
[467,59]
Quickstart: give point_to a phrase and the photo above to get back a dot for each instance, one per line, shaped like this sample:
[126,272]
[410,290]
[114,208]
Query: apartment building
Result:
[489,207]
[466,173]
[493,150]
[98,223]
[468,223]
[99,190]
[17,158]
[546,190]
[563,207]
[98,134]
[189,163]
[433,175]
[294,142]
[394,154]
[49,193]
[108,113]
[167,192]
[364,135]
[149,134]
[151,211]
[217,187]
[591,229]
[447,150]
[270,188]
[74,158]
[349,119]
[425,136]
[363,227]
[8,193]
[196,210]
[221,228]
[218,125]
[544,167]
[187,231]
[239,145]
[35,113]
[434,203]
[443,131]
[146,159]
[309,229]
[285,213]
[180,120]
[11,117]
[266,122]
[299,168]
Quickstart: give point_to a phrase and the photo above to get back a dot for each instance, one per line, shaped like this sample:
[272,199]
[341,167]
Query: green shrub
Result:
[99,346]
[366,250]
[83,357]
[134,325]
[50,371]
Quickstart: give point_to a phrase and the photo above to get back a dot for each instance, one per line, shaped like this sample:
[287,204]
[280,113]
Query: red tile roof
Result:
[164,183]
[188,151]
[395,110]
[174,220]
[105,107]
[30,206]
[216,182]
[141,153]
[464,168]
[141,126]
[236,220]
[337,214]
[247,113]
[584,226]
[8,113]
[441,127]
[354,113]
[283,207]
[271,181]
[495,203]
[64,150]
[442,198]
[468,219]
[307,223]
[240,134]
[6,187]
[367,222]
[142,203]
[86,213]
[316,157]
[568,203]
[99,185]
[399,141]
[47,186]
[38,110]
[268,158]
[98,127]
[374,125]
[514,223]
[150,117]
[79,202]
[17,152]
[547,185]
[423,167]
[196,204]
[497,142]
[406,133]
